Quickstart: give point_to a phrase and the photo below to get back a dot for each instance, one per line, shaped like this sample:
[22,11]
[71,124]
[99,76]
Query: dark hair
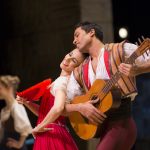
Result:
[85,55]
[87,26]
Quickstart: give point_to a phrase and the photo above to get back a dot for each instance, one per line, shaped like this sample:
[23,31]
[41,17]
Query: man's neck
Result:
[95,49]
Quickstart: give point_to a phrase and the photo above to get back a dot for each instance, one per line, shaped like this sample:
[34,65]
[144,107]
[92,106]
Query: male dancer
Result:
[120,129]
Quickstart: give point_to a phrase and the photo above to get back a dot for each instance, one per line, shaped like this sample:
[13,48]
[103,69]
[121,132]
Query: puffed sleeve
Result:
[73,88]
[59,84]
[129,48]
[21,121]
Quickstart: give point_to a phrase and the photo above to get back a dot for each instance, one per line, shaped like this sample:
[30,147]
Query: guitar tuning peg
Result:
[108,48]
[142,37]
[139,40]
[136,43]
[147,53]
[143,56]
[133,63]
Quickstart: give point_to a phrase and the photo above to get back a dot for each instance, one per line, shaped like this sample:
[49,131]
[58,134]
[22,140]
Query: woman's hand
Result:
[12,143]
[39,129]
[21,100]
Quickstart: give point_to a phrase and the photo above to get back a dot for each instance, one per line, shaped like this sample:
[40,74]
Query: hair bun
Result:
[15,80]
[10,81]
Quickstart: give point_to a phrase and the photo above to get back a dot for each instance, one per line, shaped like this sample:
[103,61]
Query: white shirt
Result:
[21,121]
[74,89]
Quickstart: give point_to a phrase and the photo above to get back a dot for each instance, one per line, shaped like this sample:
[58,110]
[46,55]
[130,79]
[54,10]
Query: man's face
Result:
[82,40]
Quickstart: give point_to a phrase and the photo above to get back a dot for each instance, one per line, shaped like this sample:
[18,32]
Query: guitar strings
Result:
[114,79]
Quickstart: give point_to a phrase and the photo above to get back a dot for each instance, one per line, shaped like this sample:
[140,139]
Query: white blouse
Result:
[74,89]
[59,84]
[21,121]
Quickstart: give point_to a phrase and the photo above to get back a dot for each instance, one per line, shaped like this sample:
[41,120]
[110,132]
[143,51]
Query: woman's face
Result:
[72,60]
[3,91]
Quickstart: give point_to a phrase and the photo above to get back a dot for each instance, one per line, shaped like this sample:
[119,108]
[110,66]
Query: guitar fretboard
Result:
[114,78]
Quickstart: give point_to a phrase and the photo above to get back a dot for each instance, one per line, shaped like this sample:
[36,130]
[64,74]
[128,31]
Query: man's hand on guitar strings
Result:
[91,113]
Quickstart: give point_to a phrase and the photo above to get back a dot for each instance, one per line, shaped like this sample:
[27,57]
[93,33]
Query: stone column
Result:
[98,11]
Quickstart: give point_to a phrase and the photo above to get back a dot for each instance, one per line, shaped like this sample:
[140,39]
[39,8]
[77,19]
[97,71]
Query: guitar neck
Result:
[114,79]
[142,48]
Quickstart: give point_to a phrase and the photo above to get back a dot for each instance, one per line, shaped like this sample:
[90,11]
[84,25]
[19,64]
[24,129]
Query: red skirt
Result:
[57,139]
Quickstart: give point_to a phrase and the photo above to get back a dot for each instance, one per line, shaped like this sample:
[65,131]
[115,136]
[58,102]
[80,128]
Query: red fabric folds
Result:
[36,91]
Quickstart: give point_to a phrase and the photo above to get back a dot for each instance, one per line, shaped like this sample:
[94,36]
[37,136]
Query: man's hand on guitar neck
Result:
[128,69]
[133,70]
[91,113]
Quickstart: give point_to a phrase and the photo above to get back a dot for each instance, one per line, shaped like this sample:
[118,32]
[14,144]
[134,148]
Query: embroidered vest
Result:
[113,57]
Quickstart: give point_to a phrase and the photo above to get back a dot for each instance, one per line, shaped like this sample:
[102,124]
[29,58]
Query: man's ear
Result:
[92,32]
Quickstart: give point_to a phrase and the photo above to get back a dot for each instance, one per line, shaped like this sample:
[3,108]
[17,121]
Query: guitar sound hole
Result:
[94,97]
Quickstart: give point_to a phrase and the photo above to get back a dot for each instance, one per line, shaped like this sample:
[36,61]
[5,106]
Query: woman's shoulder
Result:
[61,80]
[59,83]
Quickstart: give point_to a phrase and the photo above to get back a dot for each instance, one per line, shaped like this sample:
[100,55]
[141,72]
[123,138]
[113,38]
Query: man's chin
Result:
[80,49]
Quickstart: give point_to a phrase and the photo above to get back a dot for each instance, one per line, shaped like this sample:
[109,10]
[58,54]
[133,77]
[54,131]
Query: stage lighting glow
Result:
[123,33]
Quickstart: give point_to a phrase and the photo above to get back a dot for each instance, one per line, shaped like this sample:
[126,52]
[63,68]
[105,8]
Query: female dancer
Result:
[51,131]
[14,122]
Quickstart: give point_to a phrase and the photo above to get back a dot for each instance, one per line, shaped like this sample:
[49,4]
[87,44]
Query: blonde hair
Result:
[10,81]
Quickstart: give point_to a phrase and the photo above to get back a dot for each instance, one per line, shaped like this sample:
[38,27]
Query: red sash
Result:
[106,61]
[85,76]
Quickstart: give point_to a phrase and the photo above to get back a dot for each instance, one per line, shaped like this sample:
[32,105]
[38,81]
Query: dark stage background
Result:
[134,16]
[35,35]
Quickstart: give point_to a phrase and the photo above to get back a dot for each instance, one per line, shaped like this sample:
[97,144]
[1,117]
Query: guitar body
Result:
[80,124]
[109,97]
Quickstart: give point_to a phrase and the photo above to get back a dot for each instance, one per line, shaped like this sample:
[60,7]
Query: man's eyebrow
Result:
[75,33]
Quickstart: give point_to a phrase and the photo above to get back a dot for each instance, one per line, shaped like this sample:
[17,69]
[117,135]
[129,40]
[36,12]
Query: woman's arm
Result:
[86,109]
[12,143]
[21,125]
[55,111]
[34,108]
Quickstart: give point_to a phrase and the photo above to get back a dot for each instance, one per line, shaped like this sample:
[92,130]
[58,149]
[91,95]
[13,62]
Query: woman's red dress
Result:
[57,139]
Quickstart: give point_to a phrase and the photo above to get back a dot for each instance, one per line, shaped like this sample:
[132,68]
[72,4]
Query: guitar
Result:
[107,97]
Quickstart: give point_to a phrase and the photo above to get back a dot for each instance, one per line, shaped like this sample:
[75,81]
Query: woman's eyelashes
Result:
[74,60]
